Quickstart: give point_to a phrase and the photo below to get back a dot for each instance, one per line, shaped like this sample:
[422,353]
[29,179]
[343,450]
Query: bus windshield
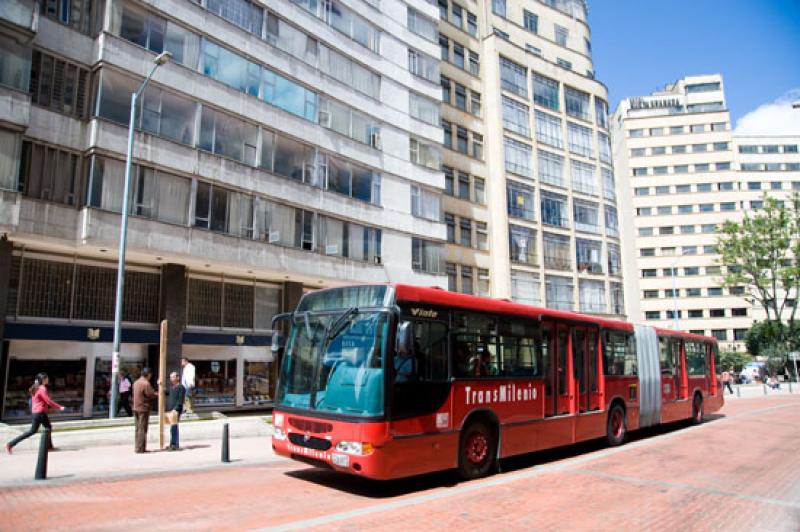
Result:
[334,362]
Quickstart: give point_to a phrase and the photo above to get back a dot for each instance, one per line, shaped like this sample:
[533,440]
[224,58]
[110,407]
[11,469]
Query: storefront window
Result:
[102,383]
[257,382]
[215,382]
[66,385]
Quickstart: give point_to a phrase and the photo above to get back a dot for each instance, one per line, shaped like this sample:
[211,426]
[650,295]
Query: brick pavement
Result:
[740,472]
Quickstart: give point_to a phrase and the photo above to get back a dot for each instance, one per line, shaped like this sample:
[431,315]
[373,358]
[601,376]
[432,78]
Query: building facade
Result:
[280,150]
[530,196]
[683,174]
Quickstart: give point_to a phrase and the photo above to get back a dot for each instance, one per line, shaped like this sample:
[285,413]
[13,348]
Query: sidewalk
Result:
[79,462]
[120,431]
[758,390]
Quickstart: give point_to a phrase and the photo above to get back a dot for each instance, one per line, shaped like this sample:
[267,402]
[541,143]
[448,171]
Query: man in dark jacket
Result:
[176,393]
[143,394]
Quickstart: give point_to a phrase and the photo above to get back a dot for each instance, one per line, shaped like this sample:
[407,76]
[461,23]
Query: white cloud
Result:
[773,118]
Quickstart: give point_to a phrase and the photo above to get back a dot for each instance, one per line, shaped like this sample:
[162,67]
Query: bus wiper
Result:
[337,326]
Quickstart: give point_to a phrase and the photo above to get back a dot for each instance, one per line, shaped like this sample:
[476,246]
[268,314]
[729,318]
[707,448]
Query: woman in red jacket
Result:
[39,404]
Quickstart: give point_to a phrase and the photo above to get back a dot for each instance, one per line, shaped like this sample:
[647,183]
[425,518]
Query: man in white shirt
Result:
[187,380]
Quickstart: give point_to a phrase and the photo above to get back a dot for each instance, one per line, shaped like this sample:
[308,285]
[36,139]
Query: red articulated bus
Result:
[389,381]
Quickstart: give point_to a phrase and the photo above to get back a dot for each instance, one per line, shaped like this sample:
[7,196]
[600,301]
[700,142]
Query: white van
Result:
[751,371]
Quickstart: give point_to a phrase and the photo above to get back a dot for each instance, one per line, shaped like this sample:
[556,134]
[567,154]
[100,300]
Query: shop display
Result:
[257,382]
[67,378]
[215,382]
[102,381]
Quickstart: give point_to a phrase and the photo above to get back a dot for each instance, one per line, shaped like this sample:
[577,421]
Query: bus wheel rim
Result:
[616,424]
[477,448]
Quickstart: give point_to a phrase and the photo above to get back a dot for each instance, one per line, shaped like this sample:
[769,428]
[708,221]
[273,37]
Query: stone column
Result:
[6,248]
[173,309]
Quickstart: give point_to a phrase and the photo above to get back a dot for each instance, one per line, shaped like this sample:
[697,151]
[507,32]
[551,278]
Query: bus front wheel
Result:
[617,427]
[477,451]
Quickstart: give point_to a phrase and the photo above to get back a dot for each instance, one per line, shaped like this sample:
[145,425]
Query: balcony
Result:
[20,15]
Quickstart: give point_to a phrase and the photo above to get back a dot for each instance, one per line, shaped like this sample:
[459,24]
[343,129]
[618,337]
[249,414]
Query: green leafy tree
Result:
[733,359]
[761,255]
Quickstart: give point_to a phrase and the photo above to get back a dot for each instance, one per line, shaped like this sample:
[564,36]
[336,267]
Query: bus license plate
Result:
[341,460]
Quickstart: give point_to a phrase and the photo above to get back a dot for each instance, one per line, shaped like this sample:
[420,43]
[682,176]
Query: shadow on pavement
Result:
[376,489]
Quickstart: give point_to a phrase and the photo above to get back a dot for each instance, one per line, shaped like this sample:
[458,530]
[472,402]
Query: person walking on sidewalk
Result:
[726,381]
[124,393]
[143,394]
[40,402]
[187,380]
[176,393]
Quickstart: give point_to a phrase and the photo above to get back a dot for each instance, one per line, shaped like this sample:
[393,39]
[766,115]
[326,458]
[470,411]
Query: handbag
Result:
[171,417]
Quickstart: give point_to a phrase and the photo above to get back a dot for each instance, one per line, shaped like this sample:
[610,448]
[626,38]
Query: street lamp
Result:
[159,60]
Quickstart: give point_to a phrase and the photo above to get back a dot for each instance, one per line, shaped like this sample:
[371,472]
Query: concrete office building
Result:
[279,150]
[530,200]
[679,171]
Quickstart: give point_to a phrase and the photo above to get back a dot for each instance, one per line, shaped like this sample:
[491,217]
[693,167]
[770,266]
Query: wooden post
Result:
[162,376]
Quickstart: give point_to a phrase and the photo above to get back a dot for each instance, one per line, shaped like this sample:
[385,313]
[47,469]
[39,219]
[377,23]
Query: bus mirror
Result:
[277,342]
[404,341]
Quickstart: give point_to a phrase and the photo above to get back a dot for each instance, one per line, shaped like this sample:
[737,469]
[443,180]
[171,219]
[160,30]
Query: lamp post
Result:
[674,295]
[159,60]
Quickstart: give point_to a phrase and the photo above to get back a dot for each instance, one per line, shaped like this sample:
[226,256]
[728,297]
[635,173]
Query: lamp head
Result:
[162,58]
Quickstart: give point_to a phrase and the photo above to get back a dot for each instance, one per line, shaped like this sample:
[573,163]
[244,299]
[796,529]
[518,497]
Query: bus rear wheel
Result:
[617,427]
[697,410]
[477,451]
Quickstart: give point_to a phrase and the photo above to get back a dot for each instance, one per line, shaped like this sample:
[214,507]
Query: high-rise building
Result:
[683,174]
[280,149]
[530,201]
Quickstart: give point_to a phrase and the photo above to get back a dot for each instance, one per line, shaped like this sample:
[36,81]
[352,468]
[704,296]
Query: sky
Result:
[641,45]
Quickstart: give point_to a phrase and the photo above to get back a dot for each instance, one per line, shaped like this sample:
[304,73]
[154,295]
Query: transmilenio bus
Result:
[389,381]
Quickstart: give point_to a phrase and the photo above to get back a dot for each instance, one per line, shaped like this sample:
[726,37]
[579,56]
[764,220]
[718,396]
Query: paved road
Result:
[738,471]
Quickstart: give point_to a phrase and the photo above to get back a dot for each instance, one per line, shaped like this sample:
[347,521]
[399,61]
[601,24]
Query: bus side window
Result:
[427,359]
[665,355]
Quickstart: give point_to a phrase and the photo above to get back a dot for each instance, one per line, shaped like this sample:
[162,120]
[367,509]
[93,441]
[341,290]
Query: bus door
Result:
[594,369]
[580,369]
[669,386]
[681,391]
[549,355]
[561,386]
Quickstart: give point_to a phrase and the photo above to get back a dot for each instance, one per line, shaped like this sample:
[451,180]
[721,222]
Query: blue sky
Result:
[641,45]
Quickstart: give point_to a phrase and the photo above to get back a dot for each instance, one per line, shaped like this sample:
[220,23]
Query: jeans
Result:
[38,419]
[173,434]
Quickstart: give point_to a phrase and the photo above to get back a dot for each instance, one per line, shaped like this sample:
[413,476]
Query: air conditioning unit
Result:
[332,249]
[274,236]
[325,119]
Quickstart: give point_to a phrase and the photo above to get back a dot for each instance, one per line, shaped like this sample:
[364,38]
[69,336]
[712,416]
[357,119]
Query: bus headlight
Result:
[278,434]
[355,447]
[277,420]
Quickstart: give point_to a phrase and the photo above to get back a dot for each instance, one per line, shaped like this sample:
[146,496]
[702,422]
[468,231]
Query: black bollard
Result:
[41,462]
[738,391]
[225,447]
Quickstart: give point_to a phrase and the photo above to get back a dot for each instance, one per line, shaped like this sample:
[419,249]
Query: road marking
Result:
[501,480]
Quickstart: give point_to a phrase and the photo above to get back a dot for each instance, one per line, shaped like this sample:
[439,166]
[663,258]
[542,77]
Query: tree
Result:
[761,254]
[733,359]
[764,334]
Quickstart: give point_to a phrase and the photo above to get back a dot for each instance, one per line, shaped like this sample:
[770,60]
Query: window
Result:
[425,109]
[424,154]
[513,77]
[577,103]
[516,117]
[612,221]
[727,206]
[479,186]
[702,167]
[458,55]
[525,287]
[450,224]
[656,131]
[461,97]
[563,63]
[699,148]
[545,92]
[225,211]
[644,211]
[451,272]
[465,232]
[609,187]
[642,191]
[689,250]
[474,63]
[658,150]
[738,312]
[421,25]
[74,13]
[466,280]
[483,283]
[463,185]
[520,200]
[462,140]
[592,296]
[425,203]
[652,315]
[56,84]
[659,170]
[583,177]
[45,172]
[665,209]
[651,294]
[522,244]
[423,65]
[739,334]
[530,21]
[614,260]
[518,157]
[457,17]
[687,229]
[558,292]
[551,168]
[561,35]
[477,146]
[676,130]
[554,209]
[587,216]
[482,236]
[472,24]
[635,133]
[447,137]
[426,256]
[775,185]
[667,230]
[556,252]
[682,189]
[638,172]
[720,334]
[225,135]
[475,103]
[704,187]
[697,128]
[601,112]
[444,47]
[649,272]
[647,252]
[725,185]
[691,271]
[587,255]
[499,8]
[619,353]
[721,146]
[579,139]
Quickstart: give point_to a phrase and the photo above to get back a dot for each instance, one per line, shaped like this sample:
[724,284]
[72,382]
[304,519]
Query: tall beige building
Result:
[530,202]
[682,175]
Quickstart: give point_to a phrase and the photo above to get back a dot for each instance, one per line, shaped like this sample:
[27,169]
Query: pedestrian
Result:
[124,387]
[176,393]
[143,394]
[726,381]
[40,402]
[187,380]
